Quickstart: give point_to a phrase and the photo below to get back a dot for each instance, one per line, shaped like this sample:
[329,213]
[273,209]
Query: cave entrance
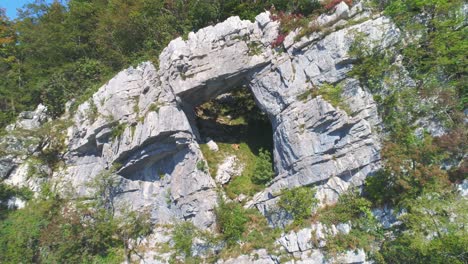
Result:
[241,130]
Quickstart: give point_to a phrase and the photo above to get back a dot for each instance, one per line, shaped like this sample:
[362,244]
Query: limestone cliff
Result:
[143,118]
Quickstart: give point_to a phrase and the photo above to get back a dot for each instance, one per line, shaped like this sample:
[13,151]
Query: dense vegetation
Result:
[57,229]
[53,53]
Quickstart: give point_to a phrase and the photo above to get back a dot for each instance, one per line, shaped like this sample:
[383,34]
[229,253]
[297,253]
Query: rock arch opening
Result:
[235,136]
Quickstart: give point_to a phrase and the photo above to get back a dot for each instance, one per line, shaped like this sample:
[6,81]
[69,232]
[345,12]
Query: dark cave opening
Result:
[240,128]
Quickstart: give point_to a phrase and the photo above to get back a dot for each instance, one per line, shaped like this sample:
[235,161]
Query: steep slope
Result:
[141,125]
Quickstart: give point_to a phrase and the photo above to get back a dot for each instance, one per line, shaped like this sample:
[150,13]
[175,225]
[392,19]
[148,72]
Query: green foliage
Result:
[51,229]
[20,232]
[350,206]
[255,48]
[201,166]
[92,111]
[118,130]
[59,51]
[333,95]
[298,202]
[231,219]
[154,107]
[259,234]
[330,93]
[306,94]
[405,249]
[183,235]
[48,139]
[242,130]
[263,171]
[371,65]
[355,210]
[7,192]
[436,234]
[409,168]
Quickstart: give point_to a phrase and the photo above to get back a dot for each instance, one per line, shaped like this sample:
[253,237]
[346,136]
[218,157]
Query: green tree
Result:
[263,171]
[298,202]
[231,219]
[183,235]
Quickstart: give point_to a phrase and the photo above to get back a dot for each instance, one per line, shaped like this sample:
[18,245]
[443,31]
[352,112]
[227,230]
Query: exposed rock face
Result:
[155,147]
[12,166]
[315,142]
[143,118]
[229,168]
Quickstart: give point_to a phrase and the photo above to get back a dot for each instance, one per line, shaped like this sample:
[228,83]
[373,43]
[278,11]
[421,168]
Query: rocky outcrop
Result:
[315,143]
[18,146]
[228,169]
[142,121]
[137,123]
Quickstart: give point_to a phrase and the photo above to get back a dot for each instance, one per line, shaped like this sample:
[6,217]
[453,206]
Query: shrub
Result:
[408,168]
[263,171]
[231,218]
[183,235]
[201,166]
[278,41]
[298,202]
[118,130]
[7,192]
[332,94]
[350,206]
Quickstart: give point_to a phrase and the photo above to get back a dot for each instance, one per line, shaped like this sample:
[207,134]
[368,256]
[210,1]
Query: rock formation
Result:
[143,118]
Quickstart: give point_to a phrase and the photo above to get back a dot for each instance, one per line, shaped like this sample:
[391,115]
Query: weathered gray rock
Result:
[30,119]
[260,256]
[7,165]
[155,147]
[212,145]
[17,148]
[317,143]
[463,188]
[228,169]
[386,216]
[143,121]
[314,237]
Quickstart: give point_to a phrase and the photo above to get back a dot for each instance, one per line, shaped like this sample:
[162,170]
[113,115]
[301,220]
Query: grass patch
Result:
[239,185]
[330,93]
[240,129]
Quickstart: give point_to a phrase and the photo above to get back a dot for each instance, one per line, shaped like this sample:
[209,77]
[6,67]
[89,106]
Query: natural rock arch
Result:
[315,143]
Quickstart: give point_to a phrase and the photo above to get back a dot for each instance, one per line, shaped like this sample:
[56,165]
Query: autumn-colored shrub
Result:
[289,21]
[278,41]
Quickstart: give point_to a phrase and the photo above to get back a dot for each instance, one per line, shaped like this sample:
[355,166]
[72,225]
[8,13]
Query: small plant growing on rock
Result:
[154,107]
[298,202]
[183,235]
[231,219]
[201,166]
[118,130]
[263,171]
[255,48]
[92,112]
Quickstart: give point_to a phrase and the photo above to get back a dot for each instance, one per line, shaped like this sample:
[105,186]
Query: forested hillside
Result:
[53,53]
[410,206]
